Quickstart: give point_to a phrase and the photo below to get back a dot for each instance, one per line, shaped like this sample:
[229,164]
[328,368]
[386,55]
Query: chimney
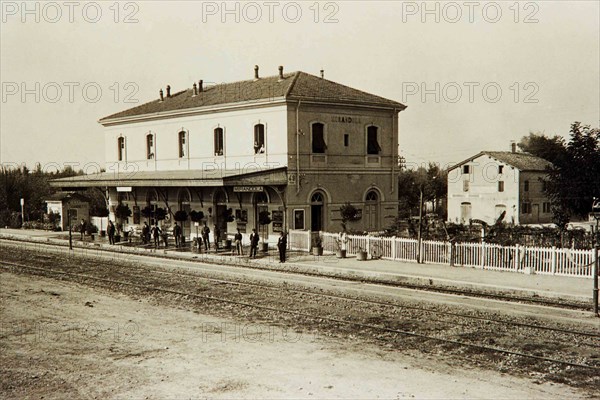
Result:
[195,90]
[200,86]
[256,72]
[513,147]
[322,74]
[280,72]
[162,98]
[168,91]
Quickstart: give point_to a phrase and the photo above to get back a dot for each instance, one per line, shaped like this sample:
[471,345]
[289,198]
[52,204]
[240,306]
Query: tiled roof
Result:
[220,177]
[294,86]
[62,196]
[521,161]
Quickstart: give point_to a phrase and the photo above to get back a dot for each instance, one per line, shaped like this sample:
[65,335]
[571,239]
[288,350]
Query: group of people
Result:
[153,235]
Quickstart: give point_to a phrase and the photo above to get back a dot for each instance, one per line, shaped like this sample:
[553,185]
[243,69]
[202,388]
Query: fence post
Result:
[368,249]
[482,255]
[450,254]
[553,260]
[517,257]
[393,247]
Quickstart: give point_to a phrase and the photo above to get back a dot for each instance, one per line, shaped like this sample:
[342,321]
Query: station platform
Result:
[472,280]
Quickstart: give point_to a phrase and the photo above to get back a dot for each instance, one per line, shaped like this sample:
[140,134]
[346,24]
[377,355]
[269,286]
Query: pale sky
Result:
[543,57]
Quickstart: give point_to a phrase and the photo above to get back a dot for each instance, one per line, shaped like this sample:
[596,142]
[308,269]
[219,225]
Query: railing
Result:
[524,259]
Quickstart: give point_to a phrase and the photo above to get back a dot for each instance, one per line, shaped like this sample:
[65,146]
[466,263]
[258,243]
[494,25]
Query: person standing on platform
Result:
[282,247]
[111,232]
[156,234]
[146,233]
[238,242]
[82,228]
[217,237]
[177,234]
[254,238]
[206,237]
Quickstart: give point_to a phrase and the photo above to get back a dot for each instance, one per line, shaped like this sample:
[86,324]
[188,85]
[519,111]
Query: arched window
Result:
[121,148]
[372,140]
[218,141]
[221,197]
[182,145]
[317,198]
[151,197]
[183,198]
[318,138]
[149,146]
[259,139]
[372,196]
[261,198]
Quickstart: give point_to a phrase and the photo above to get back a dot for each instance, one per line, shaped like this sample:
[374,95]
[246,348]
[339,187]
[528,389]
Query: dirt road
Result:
[63,340]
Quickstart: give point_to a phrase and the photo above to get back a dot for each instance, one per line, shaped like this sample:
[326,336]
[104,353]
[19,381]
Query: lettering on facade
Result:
[345,119]
[248,189]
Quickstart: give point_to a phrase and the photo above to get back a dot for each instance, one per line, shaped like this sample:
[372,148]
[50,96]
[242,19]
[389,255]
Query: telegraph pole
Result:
[22,213]
[420,233]
[596,243]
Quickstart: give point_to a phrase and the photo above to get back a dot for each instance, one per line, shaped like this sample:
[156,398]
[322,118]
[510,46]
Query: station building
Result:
[294,144]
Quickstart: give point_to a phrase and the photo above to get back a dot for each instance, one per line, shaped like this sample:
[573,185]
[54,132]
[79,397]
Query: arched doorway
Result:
[317,211]
[372,210]
[184,200]
[220,218]
[261,204]
[465,212]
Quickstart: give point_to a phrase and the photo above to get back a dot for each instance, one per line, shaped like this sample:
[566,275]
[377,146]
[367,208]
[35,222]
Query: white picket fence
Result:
[524,259]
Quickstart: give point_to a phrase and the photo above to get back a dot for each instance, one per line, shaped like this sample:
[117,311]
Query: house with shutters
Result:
[495,183]
[295,145]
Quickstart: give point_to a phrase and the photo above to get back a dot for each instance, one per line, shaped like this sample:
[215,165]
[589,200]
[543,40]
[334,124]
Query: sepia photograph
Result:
[299,199]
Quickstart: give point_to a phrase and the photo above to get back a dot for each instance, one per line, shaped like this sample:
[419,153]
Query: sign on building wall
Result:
[248,189]
[277,221]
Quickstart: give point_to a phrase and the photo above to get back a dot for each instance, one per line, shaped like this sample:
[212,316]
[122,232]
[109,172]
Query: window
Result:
[298,219]
[526,186]
[121,148]
[346,140]
[526,208]
[218,137]
[466,169]
[546,208]
[544,186]
[372,143]
[501,186]
[465,186]
[372,196]
[182,147]
[149,146]
[500,169]
[318,138]
[259,139]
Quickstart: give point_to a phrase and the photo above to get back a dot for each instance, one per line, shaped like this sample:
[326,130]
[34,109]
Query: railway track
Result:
[133,281]
[444,290]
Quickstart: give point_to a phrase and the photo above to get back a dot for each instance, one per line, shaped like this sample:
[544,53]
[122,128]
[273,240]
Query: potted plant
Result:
[317,249]
[197,217]
[264,219]
[122,212]
[341,242]
[361,255]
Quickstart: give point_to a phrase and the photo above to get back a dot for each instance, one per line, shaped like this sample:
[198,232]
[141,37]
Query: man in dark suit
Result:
[282,247]
[254,238]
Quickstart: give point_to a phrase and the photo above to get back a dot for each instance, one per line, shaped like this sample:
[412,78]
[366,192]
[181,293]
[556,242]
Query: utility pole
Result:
[22,213]
[596,243]
[420,233]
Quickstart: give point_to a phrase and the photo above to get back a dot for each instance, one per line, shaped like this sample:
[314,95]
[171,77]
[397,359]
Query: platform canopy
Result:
[184,178]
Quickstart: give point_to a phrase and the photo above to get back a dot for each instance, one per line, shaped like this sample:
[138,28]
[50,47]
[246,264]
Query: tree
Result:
[552,149]
[573,181]
[349,213]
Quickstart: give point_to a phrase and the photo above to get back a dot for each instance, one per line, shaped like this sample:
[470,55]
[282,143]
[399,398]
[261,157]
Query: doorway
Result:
[317,211]
[372,210]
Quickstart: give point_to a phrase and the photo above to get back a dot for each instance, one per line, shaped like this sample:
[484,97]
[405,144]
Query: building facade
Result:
[294,145]
[495,183]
